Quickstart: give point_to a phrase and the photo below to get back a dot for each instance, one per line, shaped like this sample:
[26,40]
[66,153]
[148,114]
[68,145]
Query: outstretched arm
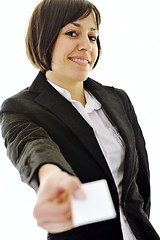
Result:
[53,210]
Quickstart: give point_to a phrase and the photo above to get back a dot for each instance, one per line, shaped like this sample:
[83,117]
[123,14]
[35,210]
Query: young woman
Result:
[67,129]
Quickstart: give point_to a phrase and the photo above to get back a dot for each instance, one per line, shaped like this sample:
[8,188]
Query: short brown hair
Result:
[45,24]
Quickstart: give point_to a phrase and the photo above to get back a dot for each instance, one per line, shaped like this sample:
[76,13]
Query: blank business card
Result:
[97,206]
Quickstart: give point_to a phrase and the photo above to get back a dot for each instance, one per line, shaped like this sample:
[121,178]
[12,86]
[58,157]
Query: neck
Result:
[78,95]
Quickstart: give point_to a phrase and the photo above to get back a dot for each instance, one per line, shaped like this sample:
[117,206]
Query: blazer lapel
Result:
[116,112]
[113,108]
[49,98]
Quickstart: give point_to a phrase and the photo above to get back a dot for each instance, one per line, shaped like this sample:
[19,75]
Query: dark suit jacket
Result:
[40,126]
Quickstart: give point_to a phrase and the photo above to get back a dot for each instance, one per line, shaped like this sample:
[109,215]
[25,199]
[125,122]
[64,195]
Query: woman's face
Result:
[75,51]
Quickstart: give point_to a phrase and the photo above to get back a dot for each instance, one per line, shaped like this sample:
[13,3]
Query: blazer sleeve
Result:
[143,177]
[28,145]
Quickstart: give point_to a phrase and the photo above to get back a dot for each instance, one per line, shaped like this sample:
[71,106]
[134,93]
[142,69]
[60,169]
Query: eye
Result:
[93,38]
[72,33]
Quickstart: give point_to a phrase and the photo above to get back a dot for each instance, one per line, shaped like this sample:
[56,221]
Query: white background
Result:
[130,38]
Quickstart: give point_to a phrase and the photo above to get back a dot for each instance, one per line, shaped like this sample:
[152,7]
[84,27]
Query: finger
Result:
[53,208]
[56,224]
[55,221]
[56,228]
[73,186]
[55,184]
[64,196]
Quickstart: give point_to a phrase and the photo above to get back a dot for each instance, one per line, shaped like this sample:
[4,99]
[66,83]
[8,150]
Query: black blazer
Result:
[40,126]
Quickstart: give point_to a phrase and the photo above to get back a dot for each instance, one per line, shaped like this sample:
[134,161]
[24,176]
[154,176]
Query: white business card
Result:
[97,206]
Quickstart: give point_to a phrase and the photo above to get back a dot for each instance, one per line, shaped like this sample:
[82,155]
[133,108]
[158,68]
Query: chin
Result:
[82,76]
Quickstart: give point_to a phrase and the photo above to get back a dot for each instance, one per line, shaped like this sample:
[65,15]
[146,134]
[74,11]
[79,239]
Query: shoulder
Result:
[120,93]
[26,95]
[18,99]
[110,92]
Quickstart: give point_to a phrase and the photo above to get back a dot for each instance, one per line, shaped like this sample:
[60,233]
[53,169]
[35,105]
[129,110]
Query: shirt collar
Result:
[62,91]
[91,102]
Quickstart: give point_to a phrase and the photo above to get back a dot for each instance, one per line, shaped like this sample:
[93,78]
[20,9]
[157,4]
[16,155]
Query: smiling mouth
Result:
[80,61]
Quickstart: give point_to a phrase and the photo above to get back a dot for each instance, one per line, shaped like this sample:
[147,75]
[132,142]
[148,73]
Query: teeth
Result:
[79,60]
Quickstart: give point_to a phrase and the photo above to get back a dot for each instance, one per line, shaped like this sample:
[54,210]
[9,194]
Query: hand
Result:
[53,208]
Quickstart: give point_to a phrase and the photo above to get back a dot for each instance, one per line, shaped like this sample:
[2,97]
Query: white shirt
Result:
[110,143]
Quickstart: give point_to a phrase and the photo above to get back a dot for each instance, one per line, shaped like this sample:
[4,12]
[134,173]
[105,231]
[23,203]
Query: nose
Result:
[85,44]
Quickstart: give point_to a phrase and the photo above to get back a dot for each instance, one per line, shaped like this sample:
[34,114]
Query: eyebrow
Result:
[78,25]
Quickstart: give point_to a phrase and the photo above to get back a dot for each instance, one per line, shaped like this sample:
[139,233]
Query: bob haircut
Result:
[45,24]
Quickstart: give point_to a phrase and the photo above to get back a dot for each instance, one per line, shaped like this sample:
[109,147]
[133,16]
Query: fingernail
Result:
[80,194]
